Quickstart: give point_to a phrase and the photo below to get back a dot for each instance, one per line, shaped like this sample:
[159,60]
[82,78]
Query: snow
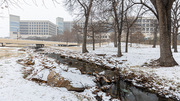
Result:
[13,87]
[166,80]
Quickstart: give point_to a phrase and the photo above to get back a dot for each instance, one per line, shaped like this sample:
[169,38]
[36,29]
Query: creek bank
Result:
[49,72]
[110,81]
[125,73]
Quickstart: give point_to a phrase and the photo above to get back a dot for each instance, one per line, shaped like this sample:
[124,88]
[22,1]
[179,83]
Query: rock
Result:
[21,50]
[54,79]
[101,81]
[105,88]
[70,63]
[62,56]
[124,60]
[96,91]
[20,60]
[89,73]
[30,62]
[71,88]
[98,98]
[100,54]
[38,80]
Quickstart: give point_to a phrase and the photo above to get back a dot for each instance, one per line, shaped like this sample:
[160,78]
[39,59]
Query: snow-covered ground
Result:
[13,87]
[163,80]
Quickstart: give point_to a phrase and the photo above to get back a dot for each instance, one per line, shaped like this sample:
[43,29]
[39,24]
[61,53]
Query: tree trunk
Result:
[84,49]
[120,30]
[155,36]
[115,37]
[93,40]
[119,27]
[175,40]
[164,14]
[127,40]
[100,40]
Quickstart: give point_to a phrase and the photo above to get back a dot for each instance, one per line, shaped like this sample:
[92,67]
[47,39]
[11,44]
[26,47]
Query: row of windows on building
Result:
[146,20]
[23,33]
[145,25]
[34,25]
[144,30]
[25,23]
[22,30]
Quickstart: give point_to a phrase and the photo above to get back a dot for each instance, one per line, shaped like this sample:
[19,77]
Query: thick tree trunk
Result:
[127,40]
[164,14]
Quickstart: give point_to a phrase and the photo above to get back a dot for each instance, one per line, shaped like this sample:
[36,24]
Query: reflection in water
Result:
[118,88]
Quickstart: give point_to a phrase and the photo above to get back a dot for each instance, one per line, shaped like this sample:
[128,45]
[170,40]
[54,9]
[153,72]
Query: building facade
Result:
[145,25]
[14,23]
[68,25]
[60,24]
[37,28]
[31,28]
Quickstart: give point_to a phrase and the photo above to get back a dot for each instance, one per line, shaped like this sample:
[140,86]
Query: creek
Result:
[117,87]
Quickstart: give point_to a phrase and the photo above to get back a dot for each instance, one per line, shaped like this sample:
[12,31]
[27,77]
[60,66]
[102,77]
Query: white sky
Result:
[30,11]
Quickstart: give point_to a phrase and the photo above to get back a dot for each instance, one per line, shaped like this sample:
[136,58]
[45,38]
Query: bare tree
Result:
[129,22]
[118,10]
[175,23]
[85,7]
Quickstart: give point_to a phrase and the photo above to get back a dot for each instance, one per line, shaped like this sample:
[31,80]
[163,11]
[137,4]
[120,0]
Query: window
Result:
[147,25]
[151,29]
[147,29]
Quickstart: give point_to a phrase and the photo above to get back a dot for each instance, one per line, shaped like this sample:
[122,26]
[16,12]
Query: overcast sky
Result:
[30,10]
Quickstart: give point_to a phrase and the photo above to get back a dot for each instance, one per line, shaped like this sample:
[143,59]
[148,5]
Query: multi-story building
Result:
[14,25]
[37,28]
[60,24]
[31,28]
[68,25]
[145,25]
